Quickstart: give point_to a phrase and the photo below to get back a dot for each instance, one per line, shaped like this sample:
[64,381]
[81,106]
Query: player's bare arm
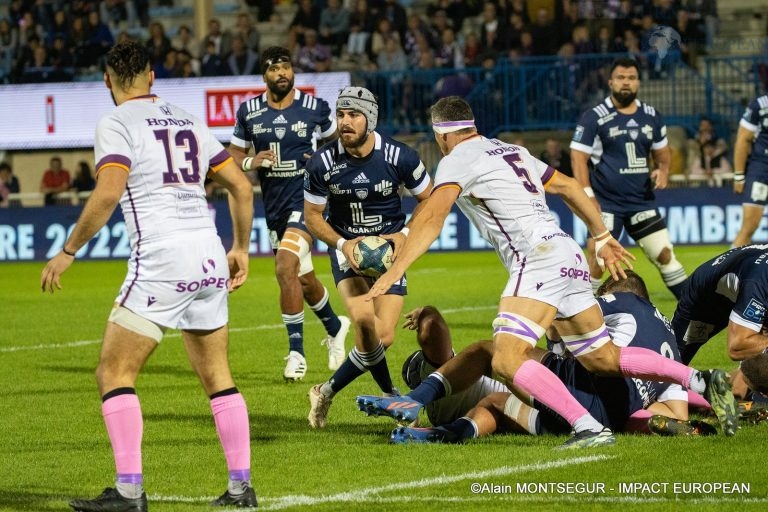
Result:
[610,253]
[110,184]
[321,230]
[425,228]
[580,167]
[241,209]
[398,239]
[744,343]
[660,174]
[741,151]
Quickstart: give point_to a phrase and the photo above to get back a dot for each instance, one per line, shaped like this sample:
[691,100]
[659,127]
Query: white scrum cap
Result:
[362,100]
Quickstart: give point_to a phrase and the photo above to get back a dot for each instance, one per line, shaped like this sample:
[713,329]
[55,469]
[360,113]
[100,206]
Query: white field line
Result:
[176,334]
[370,494]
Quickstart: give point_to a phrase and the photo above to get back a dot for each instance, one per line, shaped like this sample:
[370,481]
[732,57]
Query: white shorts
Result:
[555,272]
[194,294]
[457,405]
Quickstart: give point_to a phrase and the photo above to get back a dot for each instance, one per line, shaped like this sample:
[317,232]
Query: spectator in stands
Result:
[60,27]
[416,26]
[379,38]
[628,18]
[158,43]
[556,156]
[582,44]
[437,24]
[334,26]
[78,41]
[61,55]
[455,10]
[211,64]
[307,17]
[527,48]
[101,38]
[116,13]
[16,12]
[83,181]
[545,34]
[56,179]
[313,57]
[184,41]
[245,28]
[604,42]
[690,37]
[9,43]
[704,14]
[186,66]
[449,54]
[712,165]
[360,29]
[241,60]
[168,68]
[9,184]
[473,57]
[222,40]
[513,32]
[491,26]
[396,14]
[664,12]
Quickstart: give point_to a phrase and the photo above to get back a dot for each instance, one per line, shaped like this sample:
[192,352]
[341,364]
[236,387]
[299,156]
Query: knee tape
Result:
[672,272]
[518,326]
[133,322]
[296,244]
[583,344]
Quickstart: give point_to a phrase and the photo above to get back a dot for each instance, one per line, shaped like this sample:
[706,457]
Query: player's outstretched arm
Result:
[398,239]
[241,209]
[610,253]
[425,228]
[110,184]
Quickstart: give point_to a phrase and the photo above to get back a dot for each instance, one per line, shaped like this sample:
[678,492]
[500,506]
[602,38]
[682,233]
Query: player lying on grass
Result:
[466,402]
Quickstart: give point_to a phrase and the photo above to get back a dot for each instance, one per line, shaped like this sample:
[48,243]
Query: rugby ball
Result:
[373,256]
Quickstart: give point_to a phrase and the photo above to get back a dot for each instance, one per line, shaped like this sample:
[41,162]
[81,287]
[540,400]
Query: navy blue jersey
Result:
[634,321]
[620,147]
[730,287]
[289,133]
[755,119]
[363,193]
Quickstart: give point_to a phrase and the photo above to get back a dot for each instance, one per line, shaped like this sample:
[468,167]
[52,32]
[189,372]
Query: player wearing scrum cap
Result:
[358,179]
[280,125]
[500,188]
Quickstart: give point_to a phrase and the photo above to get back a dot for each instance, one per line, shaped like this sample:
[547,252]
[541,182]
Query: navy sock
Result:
[376,363]
[325,313]
[463,428]
[347,372]
[294,324]
[430,389]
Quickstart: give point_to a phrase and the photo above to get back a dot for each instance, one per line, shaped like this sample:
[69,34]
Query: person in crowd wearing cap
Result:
[357,179]
[500,188]
[280,125]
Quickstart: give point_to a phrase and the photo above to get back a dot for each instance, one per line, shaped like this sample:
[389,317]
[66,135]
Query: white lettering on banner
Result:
[712,224]
[17,243]
[214,99]
[683,224]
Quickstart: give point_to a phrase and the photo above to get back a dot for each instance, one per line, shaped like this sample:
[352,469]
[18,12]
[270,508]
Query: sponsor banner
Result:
[64,115]
[694,216]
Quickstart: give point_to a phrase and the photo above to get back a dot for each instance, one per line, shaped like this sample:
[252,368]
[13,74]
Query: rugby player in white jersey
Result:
[500,188]
[153,157]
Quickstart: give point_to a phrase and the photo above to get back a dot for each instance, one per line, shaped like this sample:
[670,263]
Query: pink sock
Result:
[638,422]
[696,400]
[536,380]
[231,418]
[125,426]
[647,364]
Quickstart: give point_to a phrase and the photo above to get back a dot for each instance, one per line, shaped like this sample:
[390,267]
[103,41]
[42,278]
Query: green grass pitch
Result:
[54,446]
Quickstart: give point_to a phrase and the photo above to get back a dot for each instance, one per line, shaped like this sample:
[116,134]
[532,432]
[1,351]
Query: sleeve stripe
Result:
[237,141]
[451,184]
[219,166]
[749,126]
[661,144]
[118,160]
[312,198]
[547,175]
[112,164]
[581,147]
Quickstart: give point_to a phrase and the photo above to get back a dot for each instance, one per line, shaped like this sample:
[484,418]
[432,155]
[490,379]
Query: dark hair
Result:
[274,55]
[755,370]
[127,60]
[633,284]
[5,166]
[624,62]
[452,108]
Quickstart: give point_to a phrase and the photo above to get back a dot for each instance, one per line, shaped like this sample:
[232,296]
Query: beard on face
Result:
[354,142]
[623,97]
[279,90]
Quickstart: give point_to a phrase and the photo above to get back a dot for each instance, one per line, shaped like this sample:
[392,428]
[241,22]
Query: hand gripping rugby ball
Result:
[373,256]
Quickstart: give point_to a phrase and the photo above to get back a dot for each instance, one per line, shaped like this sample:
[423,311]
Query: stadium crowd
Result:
[55,41]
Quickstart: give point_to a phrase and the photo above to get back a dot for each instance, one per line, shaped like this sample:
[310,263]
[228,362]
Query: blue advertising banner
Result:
[694,216]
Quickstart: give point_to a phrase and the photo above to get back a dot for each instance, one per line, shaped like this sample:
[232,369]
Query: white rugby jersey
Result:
[502,194]
[167,153]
